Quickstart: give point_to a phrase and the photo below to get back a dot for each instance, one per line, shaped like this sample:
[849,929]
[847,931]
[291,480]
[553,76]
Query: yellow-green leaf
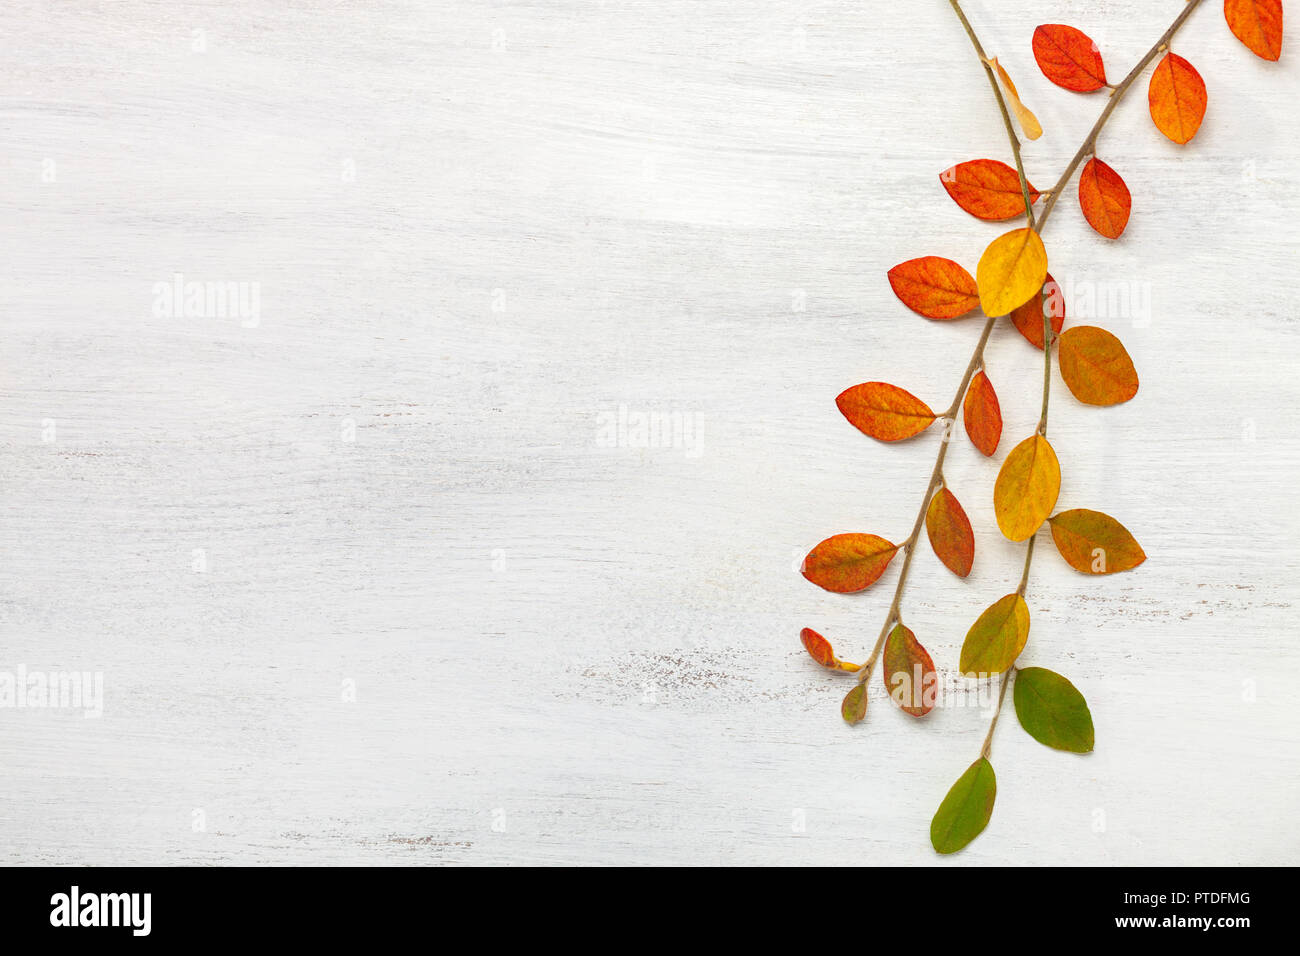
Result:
[1052,710]
[854,707]
[1011,271]
[1027,486]
[1095,543]
[966,810]
[996,639]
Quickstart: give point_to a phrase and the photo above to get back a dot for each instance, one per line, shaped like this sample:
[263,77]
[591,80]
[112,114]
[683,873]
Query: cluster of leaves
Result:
[1011,280]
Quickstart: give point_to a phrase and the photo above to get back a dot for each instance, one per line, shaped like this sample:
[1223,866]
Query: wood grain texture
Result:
[484,235]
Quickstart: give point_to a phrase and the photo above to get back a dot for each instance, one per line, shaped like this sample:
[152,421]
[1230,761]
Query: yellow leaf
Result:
[1011,271]
[1026,489]
[1028,121]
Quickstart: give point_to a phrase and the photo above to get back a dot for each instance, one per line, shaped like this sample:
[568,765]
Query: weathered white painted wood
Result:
[477,232]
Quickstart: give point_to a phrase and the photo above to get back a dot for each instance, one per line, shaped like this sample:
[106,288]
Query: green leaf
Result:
[995,640]
[854,707]
[966,809]
[1052,711]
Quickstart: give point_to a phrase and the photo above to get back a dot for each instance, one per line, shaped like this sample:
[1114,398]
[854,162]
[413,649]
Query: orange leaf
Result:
[1028,121]
[885,412]
[1028,319]
[987,189]
[1105,199]
[1258,24]
[819,649]
[909,672]
[1096,367]
[950,534]
[1177,98]
[1011,271]
[1026,489]
[1069,58]
[845,563]
[934,287]
[982,415]
[1095,543]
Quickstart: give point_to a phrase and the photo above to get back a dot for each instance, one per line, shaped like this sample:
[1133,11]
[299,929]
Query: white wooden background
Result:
[478,228]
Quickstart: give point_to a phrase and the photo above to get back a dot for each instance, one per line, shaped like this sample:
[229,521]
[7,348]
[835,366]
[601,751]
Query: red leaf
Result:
[1028,319]
[982,415]
[1258,24]
[885,412]
[818,648]
[987,189]
[1105,199]
[950,532]
[845,563]
[909,672]
[1069,58]
[1176,98]
[934,287]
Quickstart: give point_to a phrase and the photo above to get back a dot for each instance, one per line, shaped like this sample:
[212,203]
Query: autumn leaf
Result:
[1069,58]
[908,672]
[1011,271]
[950,532]
[1027,486]
[885,412]
[997,637]
[1258,24]
[934,287]
[1028,318]
[854,707]
[966,810]
[987,189]
[1095,543]
[982,415]
[845,563]
[1096,367]
[1177,98]
[1028,121]
[1105,199]
[819,649]
[1052,710]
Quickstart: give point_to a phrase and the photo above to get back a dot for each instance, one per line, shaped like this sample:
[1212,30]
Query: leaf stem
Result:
[1002,105]
[1089,146]
[936,480]
[1002,693]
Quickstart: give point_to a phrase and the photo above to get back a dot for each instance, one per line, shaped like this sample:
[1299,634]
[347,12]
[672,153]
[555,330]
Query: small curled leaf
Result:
[950,532]
[1052,710]
[987,189]
[982,415]
[966,810]
[884,412]
[1096,366]
[1028,319]
[1177,98]
[1258,24]
[909,673]
[934,287]
[845,563]
[1011,271]
[1095,543]
[1024,116]
[1069,58]
[1027,487]
[997,637]
[819,649]
[1105,199]
[854,707]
